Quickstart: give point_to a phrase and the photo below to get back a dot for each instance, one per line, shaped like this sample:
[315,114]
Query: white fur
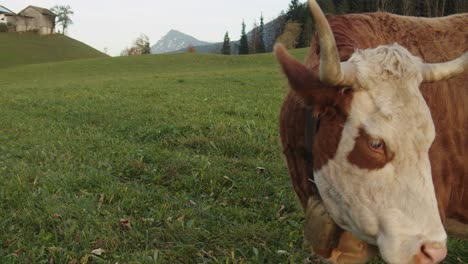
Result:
[394,207]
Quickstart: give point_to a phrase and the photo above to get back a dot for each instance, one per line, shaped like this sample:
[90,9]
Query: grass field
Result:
[28,48]
[152,159]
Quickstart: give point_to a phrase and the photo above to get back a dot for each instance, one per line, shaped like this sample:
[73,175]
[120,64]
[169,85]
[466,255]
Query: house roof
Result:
[41,10]
[4,10]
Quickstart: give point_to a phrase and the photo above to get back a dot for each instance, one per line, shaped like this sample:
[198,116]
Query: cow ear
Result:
[304,82]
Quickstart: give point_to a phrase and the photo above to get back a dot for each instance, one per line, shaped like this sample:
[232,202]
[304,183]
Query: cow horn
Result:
[433,72]
[331,70]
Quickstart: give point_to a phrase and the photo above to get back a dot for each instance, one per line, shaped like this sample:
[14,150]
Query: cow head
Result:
[371,161]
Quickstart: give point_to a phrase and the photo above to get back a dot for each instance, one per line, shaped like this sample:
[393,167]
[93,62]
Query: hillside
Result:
[29,48]
[153,159]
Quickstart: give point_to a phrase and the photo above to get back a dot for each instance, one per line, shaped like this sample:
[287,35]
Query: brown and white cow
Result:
[388,159]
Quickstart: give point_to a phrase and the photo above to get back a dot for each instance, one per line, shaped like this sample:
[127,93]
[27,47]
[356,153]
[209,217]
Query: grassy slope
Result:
[169,142]
[19,49]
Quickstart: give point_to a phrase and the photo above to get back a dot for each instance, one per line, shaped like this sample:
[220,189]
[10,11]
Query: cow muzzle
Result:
[431,253]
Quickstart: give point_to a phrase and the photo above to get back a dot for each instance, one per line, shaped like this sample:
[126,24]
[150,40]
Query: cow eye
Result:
[377,145]
[346,90]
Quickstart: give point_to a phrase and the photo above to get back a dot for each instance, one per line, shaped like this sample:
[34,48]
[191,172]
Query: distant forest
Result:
[294,27]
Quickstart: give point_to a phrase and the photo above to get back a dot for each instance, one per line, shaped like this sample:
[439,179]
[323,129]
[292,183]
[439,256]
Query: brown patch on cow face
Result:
[331,103]
[331,126]
[365,156]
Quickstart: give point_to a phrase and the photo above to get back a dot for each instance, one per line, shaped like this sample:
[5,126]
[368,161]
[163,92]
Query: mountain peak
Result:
[174,31]
[175,40]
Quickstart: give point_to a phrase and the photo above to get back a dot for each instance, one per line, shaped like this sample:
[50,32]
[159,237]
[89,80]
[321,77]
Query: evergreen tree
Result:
[355,6]
[368,6]
[261,35]
[308,26]
[226,50]
[297,12]
[327,6]
[244,45]
[342,7]
[308,32]
[292,10]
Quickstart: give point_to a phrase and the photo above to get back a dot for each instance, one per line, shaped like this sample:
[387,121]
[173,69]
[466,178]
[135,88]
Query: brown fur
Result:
[434,40]
[363,157]
[331,125]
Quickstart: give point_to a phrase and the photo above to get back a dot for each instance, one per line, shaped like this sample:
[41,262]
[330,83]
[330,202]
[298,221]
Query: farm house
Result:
[32,18]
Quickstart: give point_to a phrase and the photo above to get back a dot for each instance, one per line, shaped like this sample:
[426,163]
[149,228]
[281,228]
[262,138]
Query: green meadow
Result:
[148,159]
[29,48]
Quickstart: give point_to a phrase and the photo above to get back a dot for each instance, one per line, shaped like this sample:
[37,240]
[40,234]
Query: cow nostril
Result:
[431,253]
[424,253]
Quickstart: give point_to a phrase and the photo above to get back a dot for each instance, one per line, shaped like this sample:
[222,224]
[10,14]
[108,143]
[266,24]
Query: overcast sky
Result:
[114,24]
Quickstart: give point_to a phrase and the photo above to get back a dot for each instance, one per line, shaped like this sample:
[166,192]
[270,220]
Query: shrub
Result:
[191,49]
[34,30]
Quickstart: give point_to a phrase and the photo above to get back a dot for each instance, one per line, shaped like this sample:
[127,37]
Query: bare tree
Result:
[461,6]
[140,46]
[290,35]
[435,8]
[64,14]
[428,7]
[406,7]
[381,5]
[254,41]
[385,5]
[308,30]
[442,8]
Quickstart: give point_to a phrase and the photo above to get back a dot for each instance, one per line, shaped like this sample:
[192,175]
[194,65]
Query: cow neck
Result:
[312,125]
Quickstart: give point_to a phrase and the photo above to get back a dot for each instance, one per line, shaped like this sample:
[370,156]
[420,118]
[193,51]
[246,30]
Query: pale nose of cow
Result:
[431,253]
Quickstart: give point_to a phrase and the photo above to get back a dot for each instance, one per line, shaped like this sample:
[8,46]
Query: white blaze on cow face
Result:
[379,184]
